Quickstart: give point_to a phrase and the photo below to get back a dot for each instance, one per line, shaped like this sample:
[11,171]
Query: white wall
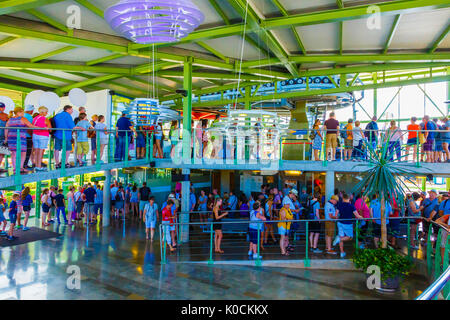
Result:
[98,102]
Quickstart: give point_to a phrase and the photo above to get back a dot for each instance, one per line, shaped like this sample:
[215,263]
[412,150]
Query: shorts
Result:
[329,228]
[394,227]
[428,145]
[172,228]
[314,226]
[140,142]
[12,218]
[45,208]
[150,224]
[27,208]
[98,207]
[348,144]
[253,235]
[439,145]
[40,142]
[282,231]
[104,141]
[345,230]
[79,206]
[58,144]
[113,203]
[412,142]
[93,144]
[331,140]
[142,204]
[83,147]
[119,204]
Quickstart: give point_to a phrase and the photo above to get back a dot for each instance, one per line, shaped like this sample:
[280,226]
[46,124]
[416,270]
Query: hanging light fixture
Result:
[154,21]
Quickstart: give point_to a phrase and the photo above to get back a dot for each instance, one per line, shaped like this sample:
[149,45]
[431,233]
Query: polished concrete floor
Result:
[118,263]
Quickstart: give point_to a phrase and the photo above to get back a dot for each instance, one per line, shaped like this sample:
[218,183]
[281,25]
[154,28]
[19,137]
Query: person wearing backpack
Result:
[313,214]
[330,214]
[120,202]
[371,132]
[283,228]
[347,135]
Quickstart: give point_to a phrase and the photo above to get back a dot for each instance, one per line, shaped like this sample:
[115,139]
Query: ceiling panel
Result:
[27,48]
[320,37]
[357,35]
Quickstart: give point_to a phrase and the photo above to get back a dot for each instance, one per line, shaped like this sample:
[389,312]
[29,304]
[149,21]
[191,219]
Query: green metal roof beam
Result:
[308,93]
[358,12]
[341,37]
[91,7]
[220,11]
[88,82]
[340,4]
[157,85]
[351,58]
[63,67]
[48,20]
[13,6]
[51,54]
[266,36]
[217,76]
[391,33]
[439,39]
[294,31]
[29,81]
[103,59]
[15,87]
[213,51]
[7,40]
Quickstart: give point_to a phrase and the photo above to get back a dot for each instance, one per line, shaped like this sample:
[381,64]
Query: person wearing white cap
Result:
[29,116]
[289,198]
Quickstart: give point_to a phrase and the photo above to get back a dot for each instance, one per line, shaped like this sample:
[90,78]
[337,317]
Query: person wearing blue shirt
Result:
[123,127]
[375,212]
[63,120]
[444,207]
[192,201]
[315,225]
[428,146]
[82,138]
[202,205]
[158,152]
[371,132]
[446,138]
[345,210]
[98,202]
[89,195]
[232,201]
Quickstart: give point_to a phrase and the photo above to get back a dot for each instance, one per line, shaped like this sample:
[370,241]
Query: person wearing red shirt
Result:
[394,224]
[168,223]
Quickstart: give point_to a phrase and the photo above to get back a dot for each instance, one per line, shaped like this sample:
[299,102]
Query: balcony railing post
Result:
[280,155]
[63,155]
[147,148]
[17,177]
[151,146]
[357,235]
[446,290]
[126,148]
[37,207]
[325,152]
[50,153]
[161,239]
[165,230]
[98,160]
[417,150]
[211,236]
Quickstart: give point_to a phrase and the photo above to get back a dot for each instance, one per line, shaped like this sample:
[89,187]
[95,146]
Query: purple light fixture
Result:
[154,21]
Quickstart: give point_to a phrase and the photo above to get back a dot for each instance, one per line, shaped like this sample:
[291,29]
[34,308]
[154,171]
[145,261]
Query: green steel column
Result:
[298,121]
[37,208]
[247,107]
[187,109]
[375,96]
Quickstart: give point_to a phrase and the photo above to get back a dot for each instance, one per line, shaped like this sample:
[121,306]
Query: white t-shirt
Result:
[329,209]
[286,199]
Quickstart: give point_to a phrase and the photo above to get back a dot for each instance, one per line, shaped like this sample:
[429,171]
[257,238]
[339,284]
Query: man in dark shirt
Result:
[332,127]
[371,132]
[124,127]
[60,204]
[345,228]
[144,195]
[89,196]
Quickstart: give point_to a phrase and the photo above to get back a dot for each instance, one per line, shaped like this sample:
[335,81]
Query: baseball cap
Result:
[29,107]
[294,191]
[171,196]
[335,197]
[433,190]
[2,105]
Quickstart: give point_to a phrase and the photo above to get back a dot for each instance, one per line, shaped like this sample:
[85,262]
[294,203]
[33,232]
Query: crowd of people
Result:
[274,215]
[430,139]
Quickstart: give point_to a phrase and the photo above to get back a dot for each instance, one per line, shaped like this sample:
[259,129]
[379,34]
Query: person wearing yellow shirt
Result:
[283,227]
[348,141]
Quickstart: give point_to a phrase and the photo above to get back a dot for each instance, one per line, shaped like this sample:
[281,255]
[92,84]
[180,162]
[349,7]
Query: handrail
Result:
[432,291]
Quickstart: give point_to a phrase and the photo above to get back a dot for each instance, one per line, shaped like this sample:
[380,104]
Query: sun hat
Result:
[294,191]
[335,197]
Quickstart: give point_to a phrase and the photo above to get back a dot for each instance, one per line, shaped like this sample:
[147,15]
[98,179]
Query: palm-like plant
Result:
[383,178]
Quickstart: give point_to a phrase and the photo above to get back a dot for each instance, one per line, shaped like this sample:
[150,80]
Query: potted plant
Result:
[393,266]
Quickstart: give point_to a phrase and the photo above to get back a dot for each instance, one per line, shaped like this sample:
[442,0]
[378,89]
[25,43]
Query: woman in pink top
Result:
[40,137]
[364,211]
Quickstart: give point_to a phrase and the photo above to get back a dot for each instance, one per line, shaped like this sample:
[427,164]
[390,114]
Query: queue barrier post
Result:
[126,149]
[258,259]
[409,237]
[211,261]
[357,235]
[446,290]
[429,250]
[437,256]
[306,261]
[417,150]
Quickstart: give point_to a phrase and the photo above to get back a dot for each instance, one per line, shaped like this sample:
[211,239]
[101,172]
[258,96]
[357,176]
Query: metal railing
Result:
[202,234]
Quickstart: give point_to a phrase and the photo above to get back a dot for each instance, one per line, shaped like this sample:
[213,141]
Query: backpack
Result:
[344,132]
[118,197]
[368,131]
[311,215]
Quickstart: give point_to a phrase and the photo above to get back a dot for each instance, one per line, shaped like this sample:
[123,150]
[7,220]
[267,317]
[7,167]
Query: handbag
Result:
[422,139]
